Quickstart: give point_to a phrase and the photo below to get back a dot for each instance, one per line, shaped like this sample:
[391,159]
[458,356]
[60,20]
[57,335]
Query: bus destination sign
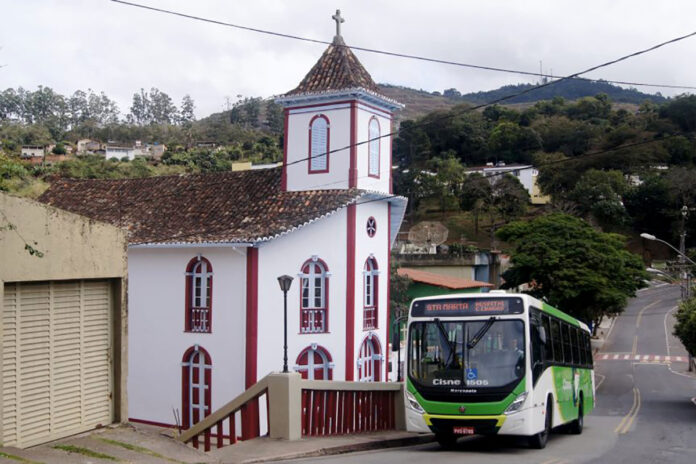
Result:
[454,307]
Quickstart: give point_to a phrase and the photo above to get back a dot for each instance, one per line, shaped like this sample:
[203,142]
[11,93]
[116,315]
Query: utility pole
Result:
[685,274]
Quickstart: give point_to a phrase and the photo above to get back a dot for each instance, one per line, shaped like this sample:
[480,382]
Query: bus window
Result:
[567,352]
[548,348]
[588,349]
[556,341]
[575,345]
[581,347]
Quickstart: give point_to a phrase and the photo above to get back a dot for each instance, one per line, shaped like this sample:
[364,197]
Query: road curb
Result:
[352,448]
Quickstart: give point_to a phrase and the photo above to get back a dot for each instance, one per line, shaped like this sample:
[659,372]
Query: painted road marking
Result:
[628,419]
[656,358]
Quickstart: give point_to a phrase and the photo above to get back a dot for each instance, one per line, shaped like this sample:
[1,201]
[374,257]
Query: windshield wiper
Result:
[450,344]
[479,335]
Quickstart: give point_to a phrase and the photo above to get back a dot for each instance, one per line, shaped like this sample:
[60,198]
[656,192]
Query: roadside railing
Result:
[297,408]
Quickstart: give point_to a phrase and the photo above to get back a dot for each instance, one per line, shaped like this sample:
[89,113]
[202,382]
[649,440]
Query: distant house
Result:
[525,173]
[429,283]
[33,153]
[120,151]
[156,150]
[206,144]
[88,146]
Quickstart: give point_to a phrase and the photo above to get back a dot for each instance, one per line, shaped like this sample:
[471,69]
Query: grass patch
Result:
[18,458]
[137,449]
[85,452]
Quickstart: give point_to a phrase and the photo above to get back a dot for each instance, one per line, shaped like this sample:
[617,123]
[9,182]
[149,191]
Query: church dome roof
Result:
[337,69]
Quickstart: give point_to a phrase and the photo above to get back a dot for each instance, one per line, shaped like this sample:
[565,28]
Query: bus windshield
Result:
[470,354]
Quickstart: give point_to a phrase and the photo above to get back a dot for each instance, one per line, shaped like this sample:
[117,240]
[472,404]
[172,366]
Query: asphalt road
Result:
[645,412]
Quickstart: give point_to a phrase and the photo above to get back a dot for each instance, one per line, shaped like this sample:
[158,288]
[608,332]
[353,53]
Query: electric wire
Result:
[393,54]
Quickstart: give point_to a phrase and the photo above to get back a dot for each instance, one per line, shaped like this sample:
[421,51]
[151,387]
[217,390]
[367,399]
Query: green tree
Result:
[510,198]
[685,328]
[476,196]
[446,183]
[598,194]
[584,272]
[510,142]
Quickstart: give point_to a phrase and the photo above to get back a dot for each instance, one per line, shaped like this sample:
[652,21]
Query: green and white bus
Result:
[496,363]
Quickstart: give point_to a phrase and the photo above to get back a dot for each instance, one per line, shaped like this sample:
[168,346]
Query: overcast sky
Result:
[79,44]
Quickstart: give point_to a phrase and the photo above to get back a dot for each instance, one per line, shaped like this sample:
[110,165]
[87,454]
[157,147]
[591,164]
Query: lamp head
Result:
[647,236]
[285,281]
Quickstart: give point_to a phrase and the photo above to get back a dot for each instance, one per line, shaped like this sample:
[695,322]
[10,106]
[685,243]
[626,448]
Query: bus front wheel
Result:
[538,441]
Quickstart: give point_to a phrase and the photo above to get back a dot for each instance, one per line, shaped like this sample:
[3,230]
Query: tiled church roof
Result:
[337,69]
[243,206]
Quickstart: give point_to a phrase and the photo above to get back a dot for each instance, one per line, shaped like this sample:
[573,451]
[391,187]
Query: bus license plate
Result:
[463,430]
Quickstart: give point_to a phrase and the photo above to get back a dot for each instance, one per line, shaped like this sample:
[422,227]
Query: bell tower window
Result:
[319,145]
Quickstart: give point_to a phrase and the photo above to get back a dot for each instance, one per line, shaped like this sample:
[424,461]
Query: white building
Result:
[33,151]
[525,173]
[205,252]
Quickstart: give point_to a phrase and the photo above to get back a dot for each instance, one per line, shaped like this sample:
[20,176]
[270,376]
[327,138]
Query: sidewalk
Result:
[147,444]
[603,332]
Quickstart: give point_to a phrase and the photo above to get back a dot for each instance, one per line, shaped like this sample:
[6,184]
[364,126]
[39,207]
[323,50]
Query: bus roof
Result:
[530,300]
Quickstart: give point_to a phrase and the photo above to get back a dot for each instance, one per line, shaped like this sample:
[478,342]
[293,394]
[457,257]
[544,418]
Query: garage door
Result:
[56,360]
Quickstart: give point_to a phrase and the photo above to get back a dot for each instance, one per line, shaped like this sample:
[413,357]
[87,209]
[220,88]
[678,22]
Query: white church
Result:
[205,310]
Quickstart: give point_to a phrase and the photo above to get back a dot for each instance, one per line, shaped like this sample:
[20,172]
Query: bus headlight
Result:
[517,404]
[413,402]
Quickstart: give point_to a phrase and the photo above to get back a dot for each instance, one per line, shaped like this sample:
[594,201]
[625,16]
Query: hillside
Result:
[421,102]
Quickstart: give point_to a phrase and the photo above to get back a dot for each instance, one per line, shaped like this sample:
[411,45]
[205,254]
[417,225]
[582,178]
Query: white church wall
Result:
[379,247]
[326,239]
[365,181]
[157,340]
[299,119]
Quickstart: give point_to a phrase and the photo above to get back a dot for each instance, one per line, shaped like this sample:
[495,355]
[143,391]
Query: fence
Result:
[297,408]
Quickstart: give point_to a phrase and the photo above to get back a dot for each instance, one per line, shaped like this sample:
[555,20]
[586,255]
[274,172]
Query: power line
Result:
[389,53]
[510,96]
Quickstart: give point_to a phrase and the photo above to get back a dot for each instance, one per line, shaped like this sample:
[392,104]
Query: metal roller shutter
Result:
[56,362]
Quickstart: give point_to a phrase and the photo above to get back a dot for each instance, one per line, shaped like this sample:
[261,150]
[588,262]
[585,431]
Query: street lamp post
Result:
[686,281]
[285,281]
[686,290]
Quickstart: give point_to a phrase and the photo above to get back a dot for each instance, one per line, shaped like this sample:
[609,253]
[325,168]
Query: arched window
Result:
[370,293]
[314,296]
[196,376]
[314,363]
[199,295]
[373,158]
[319,144]
[370,359]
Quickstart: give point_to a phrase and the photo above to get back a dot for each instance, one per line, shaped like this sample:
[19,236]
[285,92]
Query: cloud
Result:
[118,49]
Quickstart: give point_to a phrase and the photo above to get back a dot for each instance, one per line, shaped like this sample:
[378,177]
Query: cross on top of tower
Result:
[337,17]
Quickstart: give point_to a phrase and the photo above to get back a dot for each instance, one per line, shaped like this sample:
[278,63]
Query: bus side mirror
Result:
[395,341]
[542,335]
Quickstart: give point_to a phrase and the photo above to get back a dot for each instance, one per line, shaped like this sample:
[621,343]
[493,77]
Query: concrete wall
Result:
[73,247]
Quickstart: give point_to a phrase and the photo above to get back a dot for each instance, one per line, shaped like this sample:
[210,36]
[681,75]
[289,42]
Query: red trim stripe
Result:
[250,413]
[353,172]
[350,292]
[148,422]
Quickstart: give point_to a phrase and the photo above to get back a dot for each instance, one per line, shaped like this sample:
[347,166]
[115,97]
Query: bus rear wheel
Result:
[577,425]
[539,440]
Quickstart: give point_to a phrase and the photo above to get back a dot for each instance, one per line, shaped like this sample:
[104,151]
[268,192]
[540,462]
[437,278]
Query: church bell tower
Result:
[337,126]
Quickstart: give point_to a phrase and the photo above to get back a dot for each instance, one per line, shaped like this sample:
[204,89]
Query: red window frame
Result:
[328,144]
[199,319]
[190,373]
[314,319]
[370,370]
[370,283]
[376,144]
[315,351]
